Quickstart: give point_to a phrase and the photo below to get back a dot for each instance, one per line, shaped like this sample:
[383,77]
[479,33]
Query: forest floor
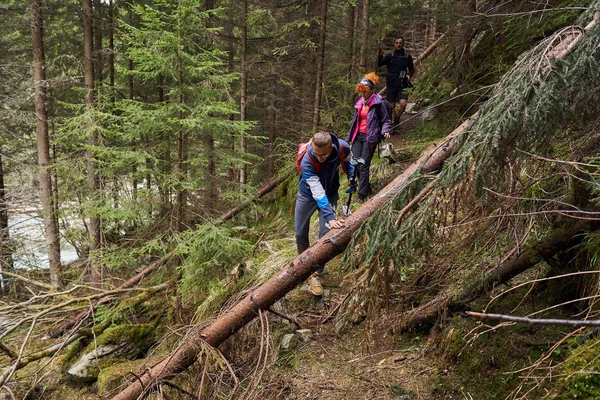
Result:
[355,364]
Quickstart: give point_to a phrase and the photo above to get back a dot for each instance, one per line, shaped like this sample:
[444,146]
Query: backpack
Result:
[303,149]
[387,105]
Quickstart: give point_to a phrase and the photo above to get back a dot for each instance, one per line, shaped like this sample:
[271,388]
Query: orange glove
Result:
[380,52]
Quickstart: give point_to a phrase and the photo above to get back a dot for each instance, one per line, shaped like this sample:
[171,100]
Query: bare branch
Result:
[530,321]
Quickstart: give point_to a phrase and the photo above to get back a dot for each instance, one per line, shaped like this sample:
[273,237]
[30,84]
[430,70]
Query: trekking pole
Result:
[346,210]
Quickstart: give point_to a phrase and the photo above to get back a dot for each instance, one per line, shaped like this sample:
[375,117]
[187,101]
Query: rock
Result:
[429,114]
[124,342]
[305,335]
[410,108]
[289,341]
[86,368]
[386,151]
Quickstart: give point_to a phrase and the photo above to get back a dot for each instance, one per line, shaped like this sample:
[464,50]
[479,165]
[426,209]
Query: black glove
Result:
[352,182]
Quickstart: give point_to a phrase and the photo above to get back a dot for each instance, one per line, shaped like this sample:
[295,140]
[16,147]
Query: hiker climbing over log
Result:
[370,125]
[400,70]
[318,160]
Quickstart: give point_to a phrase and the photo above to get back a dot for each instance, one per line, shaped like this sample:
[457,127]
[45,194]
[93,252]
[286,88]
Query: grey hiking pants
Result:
[305,208]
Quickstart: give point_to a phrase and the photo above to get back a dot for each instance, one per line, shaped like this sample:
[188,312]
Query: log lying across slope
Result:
[294,273]
[560,239]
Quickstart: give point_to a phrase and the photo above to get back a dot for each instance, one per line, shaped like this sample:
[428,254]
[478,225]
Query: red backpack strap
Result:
[302,151]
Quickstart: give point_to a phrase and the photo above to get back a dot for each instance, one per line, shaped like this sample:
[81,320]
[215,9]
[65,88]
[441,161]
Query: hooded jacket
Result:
[325,183]
[378,120]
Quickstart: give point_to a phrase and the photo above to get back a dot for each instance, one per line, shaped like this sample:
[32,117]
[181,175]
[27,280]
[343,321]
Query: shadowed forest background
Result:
[147,186]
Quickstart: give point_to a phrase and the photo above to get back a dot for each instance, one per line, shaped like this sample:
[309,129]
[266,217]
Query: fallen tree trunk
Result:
[134,280]
[558,240]
[263,190]
[296,272]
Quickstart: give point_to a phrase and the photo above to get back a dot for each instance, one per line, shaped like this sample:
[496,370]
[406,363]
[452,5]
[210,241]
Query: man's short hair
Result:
[399,37]
[321,139]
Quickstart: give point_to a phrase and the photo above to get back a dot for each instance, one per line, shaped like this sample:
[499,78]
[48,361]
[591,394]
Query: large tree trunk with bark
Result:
[288,278]
[244,89]
[350,39]
[5,252]
[364,42]
[92,177]
[320,67]
[43,144]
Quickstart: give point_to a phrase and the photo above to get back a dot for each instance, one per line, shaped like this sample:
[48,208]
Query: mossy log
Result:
[559,240]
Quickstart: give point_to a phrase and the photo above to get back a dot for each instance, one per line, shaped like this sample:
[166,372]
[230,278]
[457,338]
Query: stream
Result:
[26,227]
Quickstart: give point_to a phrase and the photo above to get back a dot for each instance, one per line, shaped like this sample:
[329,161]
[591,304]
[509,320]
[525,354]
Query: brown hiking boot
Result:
[316,287]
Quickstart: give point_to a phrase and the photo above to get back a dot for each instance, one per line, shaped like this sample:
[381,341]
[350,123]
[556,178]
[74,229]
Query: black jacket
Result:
[399,64]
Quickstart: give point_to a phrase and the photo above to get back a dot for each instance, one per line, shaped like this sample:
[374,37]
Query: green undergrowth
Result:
[580,373]
[425,134]
[489,360]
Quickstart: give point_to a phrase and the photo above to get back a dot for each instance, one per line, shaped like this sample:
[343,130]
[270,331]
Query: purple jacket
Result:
[378,120]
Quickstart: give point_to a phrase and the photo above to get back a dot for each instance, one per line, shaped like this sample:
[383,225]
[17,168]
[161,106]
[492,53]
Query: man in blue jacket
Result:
[318,189]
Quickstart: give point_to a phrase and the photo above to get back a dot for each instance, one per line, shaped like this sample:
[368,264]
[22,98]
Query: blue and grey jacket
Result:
[324,183]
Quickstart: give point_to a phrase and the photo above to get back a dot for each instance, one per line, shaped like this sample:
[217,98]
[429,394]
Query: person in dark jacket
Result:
[318,189]
[370,125]
[400,70]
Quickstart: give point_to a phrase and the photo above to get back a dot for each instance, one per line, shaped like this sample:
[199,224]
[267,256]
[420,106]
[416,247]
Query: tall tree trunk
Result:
[364,43]
[5,252]
[350,39]
[92,178]
[229,25]
[320,67]
[209,140]
[111,84]
[43,143]
[244,88]
[181,202]
[97,28]
[272,123]
[111,49]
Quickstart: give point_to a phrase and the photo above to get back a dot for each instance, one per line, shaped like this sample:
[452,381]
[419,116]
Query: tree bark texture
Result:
[244,89]
[181,170]
[43,144]
[97,28]
[92,177]
[560,239]
[364,42]
[5,252]
[288,278]
[350,39]
[320,67]
[272,123]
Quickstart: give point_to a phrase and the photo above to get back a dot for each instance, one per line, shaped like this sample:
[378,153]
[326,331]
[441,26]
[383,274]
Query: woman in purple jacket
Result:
[370,125]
